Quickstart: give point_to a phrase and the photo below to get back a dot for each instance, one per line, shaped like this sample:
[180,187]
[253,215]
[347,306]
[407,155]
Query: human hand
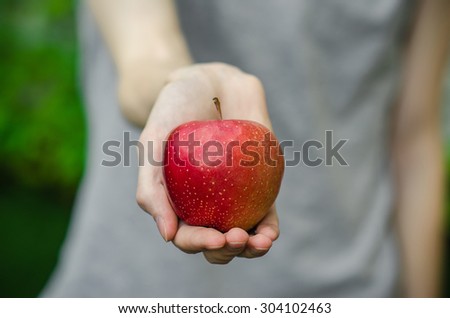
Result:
[187,97]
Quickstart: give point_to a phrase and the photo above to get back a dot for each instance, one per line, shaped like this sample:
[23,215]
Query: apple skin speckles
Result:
[232,193]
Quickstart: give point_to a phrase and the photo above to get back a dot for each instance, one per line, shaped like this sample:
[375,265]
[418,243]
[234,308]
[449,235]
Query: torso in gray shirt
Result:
[326,65]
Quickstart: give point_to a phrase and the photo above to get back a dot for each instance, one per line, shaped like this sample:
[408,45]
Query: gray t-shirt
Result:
[326,65]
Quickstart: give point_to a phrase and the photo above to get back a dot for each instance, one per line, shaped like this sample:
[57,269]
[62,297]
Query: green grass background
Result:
[42,138]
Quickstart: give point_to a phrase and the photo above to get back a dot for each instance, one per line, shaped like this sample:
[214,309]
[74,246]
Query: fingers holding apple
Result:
[239,243]
[269,225]
[236,243]
[266,232]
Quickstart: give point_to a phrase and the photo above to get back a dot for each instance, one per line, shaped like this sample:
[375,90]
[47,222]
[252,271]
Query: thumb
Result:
[152,198]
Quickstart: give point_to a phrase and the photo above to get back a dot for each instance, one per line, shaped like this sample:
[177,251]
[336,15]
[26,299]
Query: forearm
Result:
[420,214]
[146,44]
[418,153]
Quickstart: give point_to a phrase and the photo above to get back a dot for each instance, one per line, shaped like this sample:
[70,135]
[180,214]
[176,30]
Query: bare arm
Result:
[146,44]
[152,60]
[418,152]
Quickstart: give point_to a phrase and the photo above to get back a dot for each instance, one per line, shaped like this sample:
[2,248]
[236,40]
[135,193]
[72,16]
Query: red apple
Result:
[222,173]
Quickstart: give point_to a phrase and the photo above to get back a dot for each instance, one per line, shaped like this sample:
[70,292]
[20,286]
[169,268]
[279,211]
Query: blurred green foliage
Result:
[42,139]
[42,127]
[32,228]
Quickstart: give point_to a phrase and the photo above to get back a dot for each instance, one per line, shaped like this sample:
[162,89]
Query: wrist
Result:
[140,82]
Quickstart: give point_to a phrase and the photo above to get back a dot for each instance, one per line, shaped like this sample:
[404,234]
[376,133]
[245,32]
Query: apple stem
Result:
[217,104]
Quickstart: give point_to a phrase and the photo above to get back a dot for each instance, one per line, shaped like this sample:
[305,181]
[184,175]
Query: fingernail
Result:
[259,251]
[236,245]
[162,227]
